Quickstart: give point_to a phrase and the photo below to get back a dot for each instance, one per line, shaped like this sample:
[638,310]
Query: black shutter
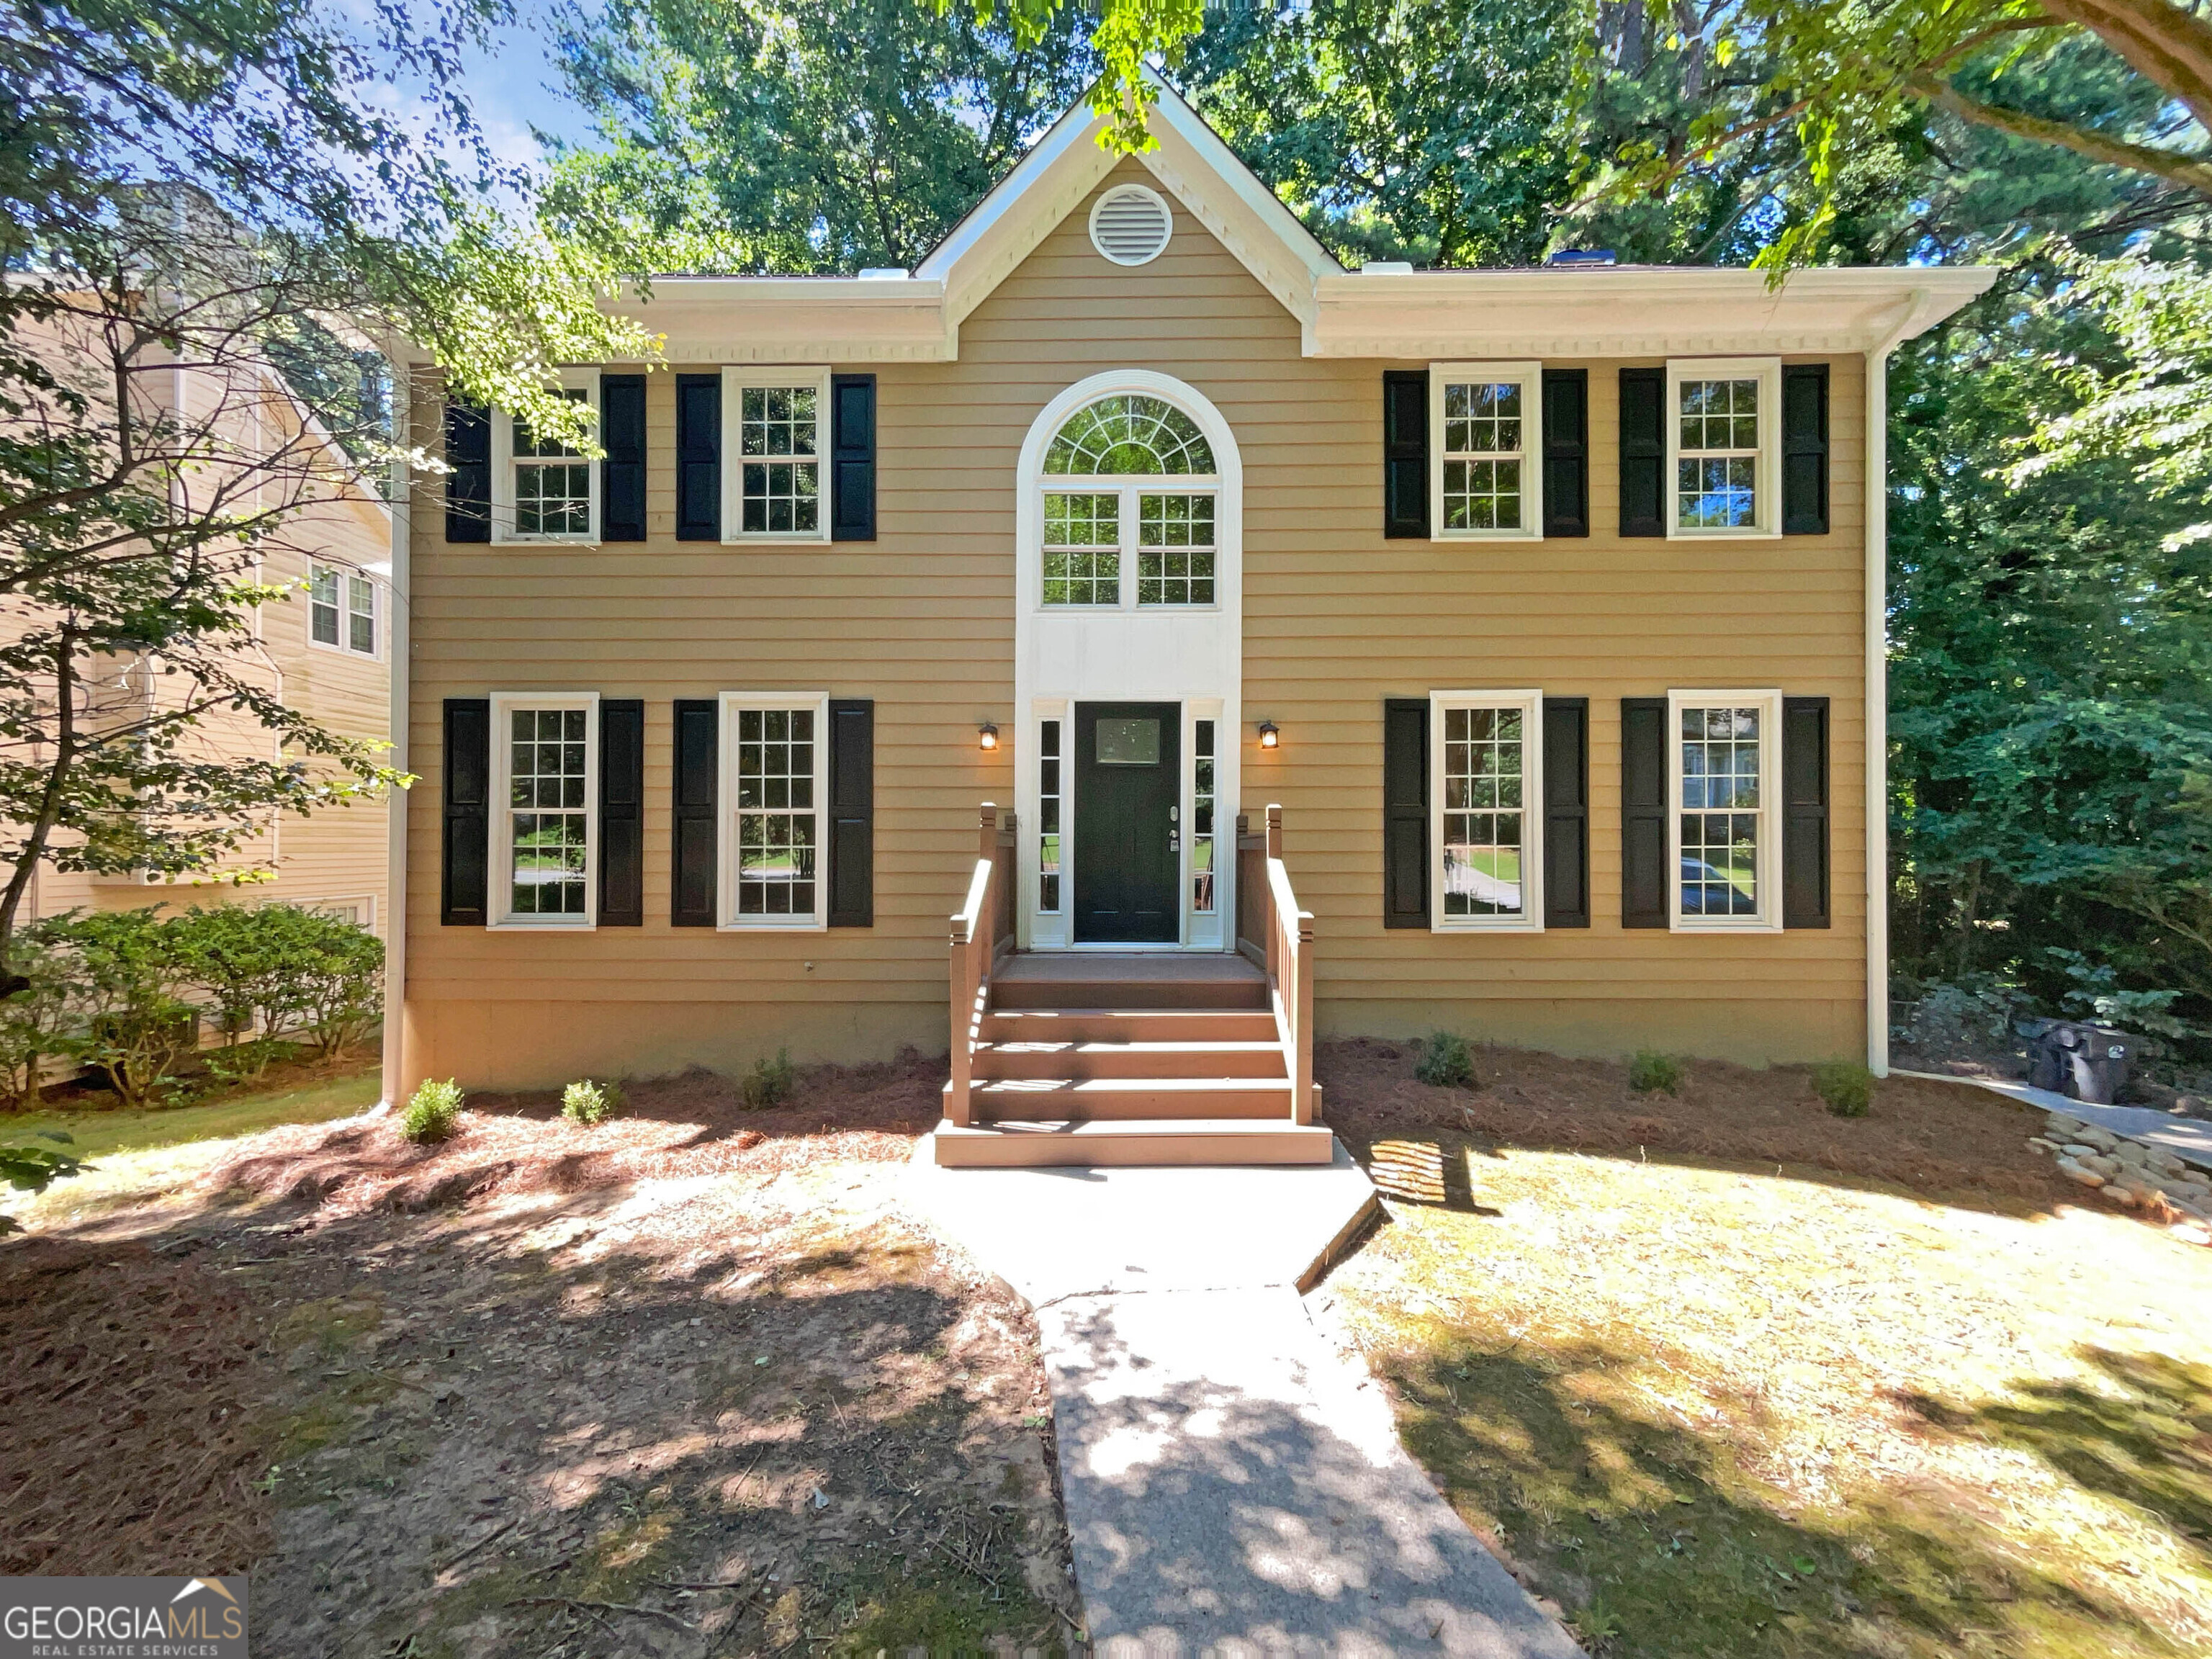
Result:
[1566,452]
[1406,453]
[1406,813]
[1805,449]
[466,843]
[698,757]
[1643,452]
[698,458]
[468,486]
[622,813]
[621,435]
[852,814]
[1566,812]
[851,458]
[1644,872]
[1805,813]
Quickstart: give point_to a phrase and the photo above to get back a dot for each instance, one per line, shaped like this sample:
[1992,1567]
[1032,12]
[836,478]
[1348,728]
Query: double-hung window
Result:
[1485,478]
[1725,452]
[545,827]
[1131,509]
[341,609]
[544,489]
[774,791]
[1486,760]
[1724,779]
[775,424]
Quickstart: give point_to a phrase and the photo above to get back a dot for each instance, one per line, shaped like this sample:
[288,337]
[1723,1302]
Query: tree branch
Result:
[2184,170]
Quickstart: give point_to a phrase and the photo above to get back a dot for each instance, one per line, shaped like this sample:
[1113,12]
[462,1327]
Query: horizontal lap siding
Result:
[921,621]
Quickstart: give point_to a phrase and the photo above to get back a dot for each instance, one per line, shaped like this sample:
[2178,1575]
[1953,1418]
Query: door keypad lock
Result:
[1175,830]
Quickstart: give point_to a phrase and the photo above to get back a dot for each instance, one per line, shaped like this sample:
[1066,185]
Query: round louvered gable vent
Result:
[1130,225]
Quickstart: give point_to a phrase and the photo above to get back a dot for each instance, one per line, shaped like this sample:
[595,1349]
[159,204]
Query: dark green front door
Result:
[1128,858]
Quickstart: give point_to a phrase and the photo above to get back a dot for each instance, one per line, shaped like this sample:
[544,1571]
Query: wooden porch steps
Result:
[1133,1057]
[1009,1143]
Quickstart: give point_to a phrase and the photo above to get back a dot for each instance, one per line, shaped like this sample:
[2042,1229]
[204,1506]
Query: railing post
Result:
[1274,831]
[963,974]
[1301,1083]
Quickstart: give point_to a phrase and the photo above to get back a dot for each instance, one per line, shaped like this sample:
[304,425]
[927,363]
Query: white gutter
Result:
[397,650]
[1916,316]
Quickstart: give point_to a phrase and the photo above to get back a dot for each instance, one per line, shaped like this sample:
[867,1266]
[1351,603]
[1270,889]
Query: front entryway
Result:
[1128,839]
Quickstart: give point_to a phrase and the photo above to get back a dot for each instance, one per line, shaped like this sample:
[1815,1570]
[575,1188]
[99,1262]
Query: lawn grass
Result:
[1716,1411]
[99,1132]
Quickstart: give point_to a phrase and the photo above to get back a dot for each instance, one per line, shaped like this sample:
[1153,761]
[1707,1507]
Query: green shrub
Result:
[588,1103]
[1446,1062]
[1846,1085]
[769,1082]
[140,1026]
[1652,1070]
[429,1116]
[37,1023]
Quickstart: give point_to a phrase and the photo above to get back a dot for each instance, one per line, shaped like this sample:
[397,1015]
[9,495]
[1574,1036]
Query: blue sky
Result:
[511,87]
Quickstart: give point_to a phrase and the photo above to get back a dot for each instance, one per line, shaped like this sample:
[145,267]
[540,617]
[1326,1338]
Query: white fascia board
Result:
[1630,312]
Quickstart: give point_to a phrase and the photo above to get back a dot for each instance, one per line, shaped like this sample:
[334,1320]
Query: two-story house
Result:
[1546,604]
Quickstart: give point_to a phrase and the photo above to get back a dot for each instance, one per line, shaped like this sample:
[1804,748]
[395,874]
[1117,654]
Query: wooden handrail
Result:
[983,931]
[1274,932]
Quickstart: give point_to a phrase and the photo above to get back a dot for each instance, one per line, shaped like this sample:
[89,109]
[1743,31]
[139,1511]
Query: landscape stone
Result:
[2074,1172]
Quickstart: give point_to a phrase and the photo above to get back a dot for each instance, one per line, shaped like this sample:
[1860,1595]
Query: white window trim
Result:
[1767,371]
[1531,705]
[734,384]
[344,648]
[1529,377]
[501,862]
[1769,919]
[503,531]
[725,832]
[1127,487]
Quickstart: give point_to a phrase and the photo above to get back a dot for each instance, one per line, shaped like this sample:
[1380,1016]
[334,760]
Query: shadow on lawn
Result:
[487,1445]
[1647,1531]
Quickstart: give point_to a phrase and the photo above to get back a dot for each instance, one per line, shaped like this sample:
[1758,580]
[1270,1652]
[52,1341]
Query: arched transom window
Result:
[1130,485]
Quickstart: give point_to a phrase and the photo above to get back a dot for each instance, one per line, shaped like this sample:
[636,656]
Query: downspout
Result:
[1877,680]
[396,653]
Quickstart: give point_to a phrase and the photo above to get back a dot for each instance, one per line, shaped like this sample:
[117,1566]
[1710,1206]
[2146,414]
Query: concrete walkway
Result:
[2189,1138]
[1233,1485]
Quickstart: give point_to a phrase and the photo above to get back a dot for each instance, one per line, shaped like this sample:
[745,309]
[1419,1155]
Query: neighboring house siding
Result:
[336,855]
[921,621]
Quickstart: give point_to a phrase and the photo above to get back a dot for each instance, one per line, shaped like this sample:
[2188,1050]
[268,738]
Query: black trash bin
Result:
[2097,1065]
[2047,1052]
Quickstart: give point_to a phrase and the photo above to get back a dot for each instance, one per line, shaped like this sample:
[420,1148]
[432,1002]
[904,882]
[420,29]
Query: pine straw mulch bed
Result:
[689,1382]
[125,1412]
[1935,1139]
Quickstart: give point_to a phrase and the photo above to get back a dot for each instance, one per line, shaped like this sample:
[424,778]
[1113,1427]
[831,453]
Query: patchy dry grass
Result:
[1717,1410]
[686,1383]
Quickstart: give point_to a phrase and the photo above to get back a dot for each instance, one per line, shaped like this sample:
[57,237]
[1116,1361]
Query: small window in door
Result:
[1128,743]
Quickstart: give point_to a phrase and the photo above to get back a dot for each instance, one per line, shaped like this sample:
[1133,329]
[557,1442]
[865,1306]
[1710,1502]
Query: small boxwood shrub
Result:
[588,1103]
[1846,1085]
[1445,1062]
[1652,1070]
[769,1082]
[430,1114]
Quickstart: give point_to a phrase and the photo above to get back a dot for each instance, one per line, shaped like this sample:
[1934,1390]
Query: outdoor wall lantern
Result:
[1269,737]
[987,736]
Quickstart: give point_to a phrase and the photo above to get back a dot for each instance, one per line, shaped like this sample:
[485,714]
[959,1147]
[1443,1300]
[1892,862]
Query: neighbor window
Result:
[777,424]
[1484,481]
[1724,779]
[545,490]
[1724,419]
[341,609]
[1486,757]
[774,756]
[549,786]
[1100,522]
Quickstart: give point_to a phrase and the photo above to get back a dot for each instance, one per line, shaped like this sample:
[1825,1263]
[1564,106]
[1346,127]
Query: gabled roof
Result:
[1578,311]
[1065,165]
